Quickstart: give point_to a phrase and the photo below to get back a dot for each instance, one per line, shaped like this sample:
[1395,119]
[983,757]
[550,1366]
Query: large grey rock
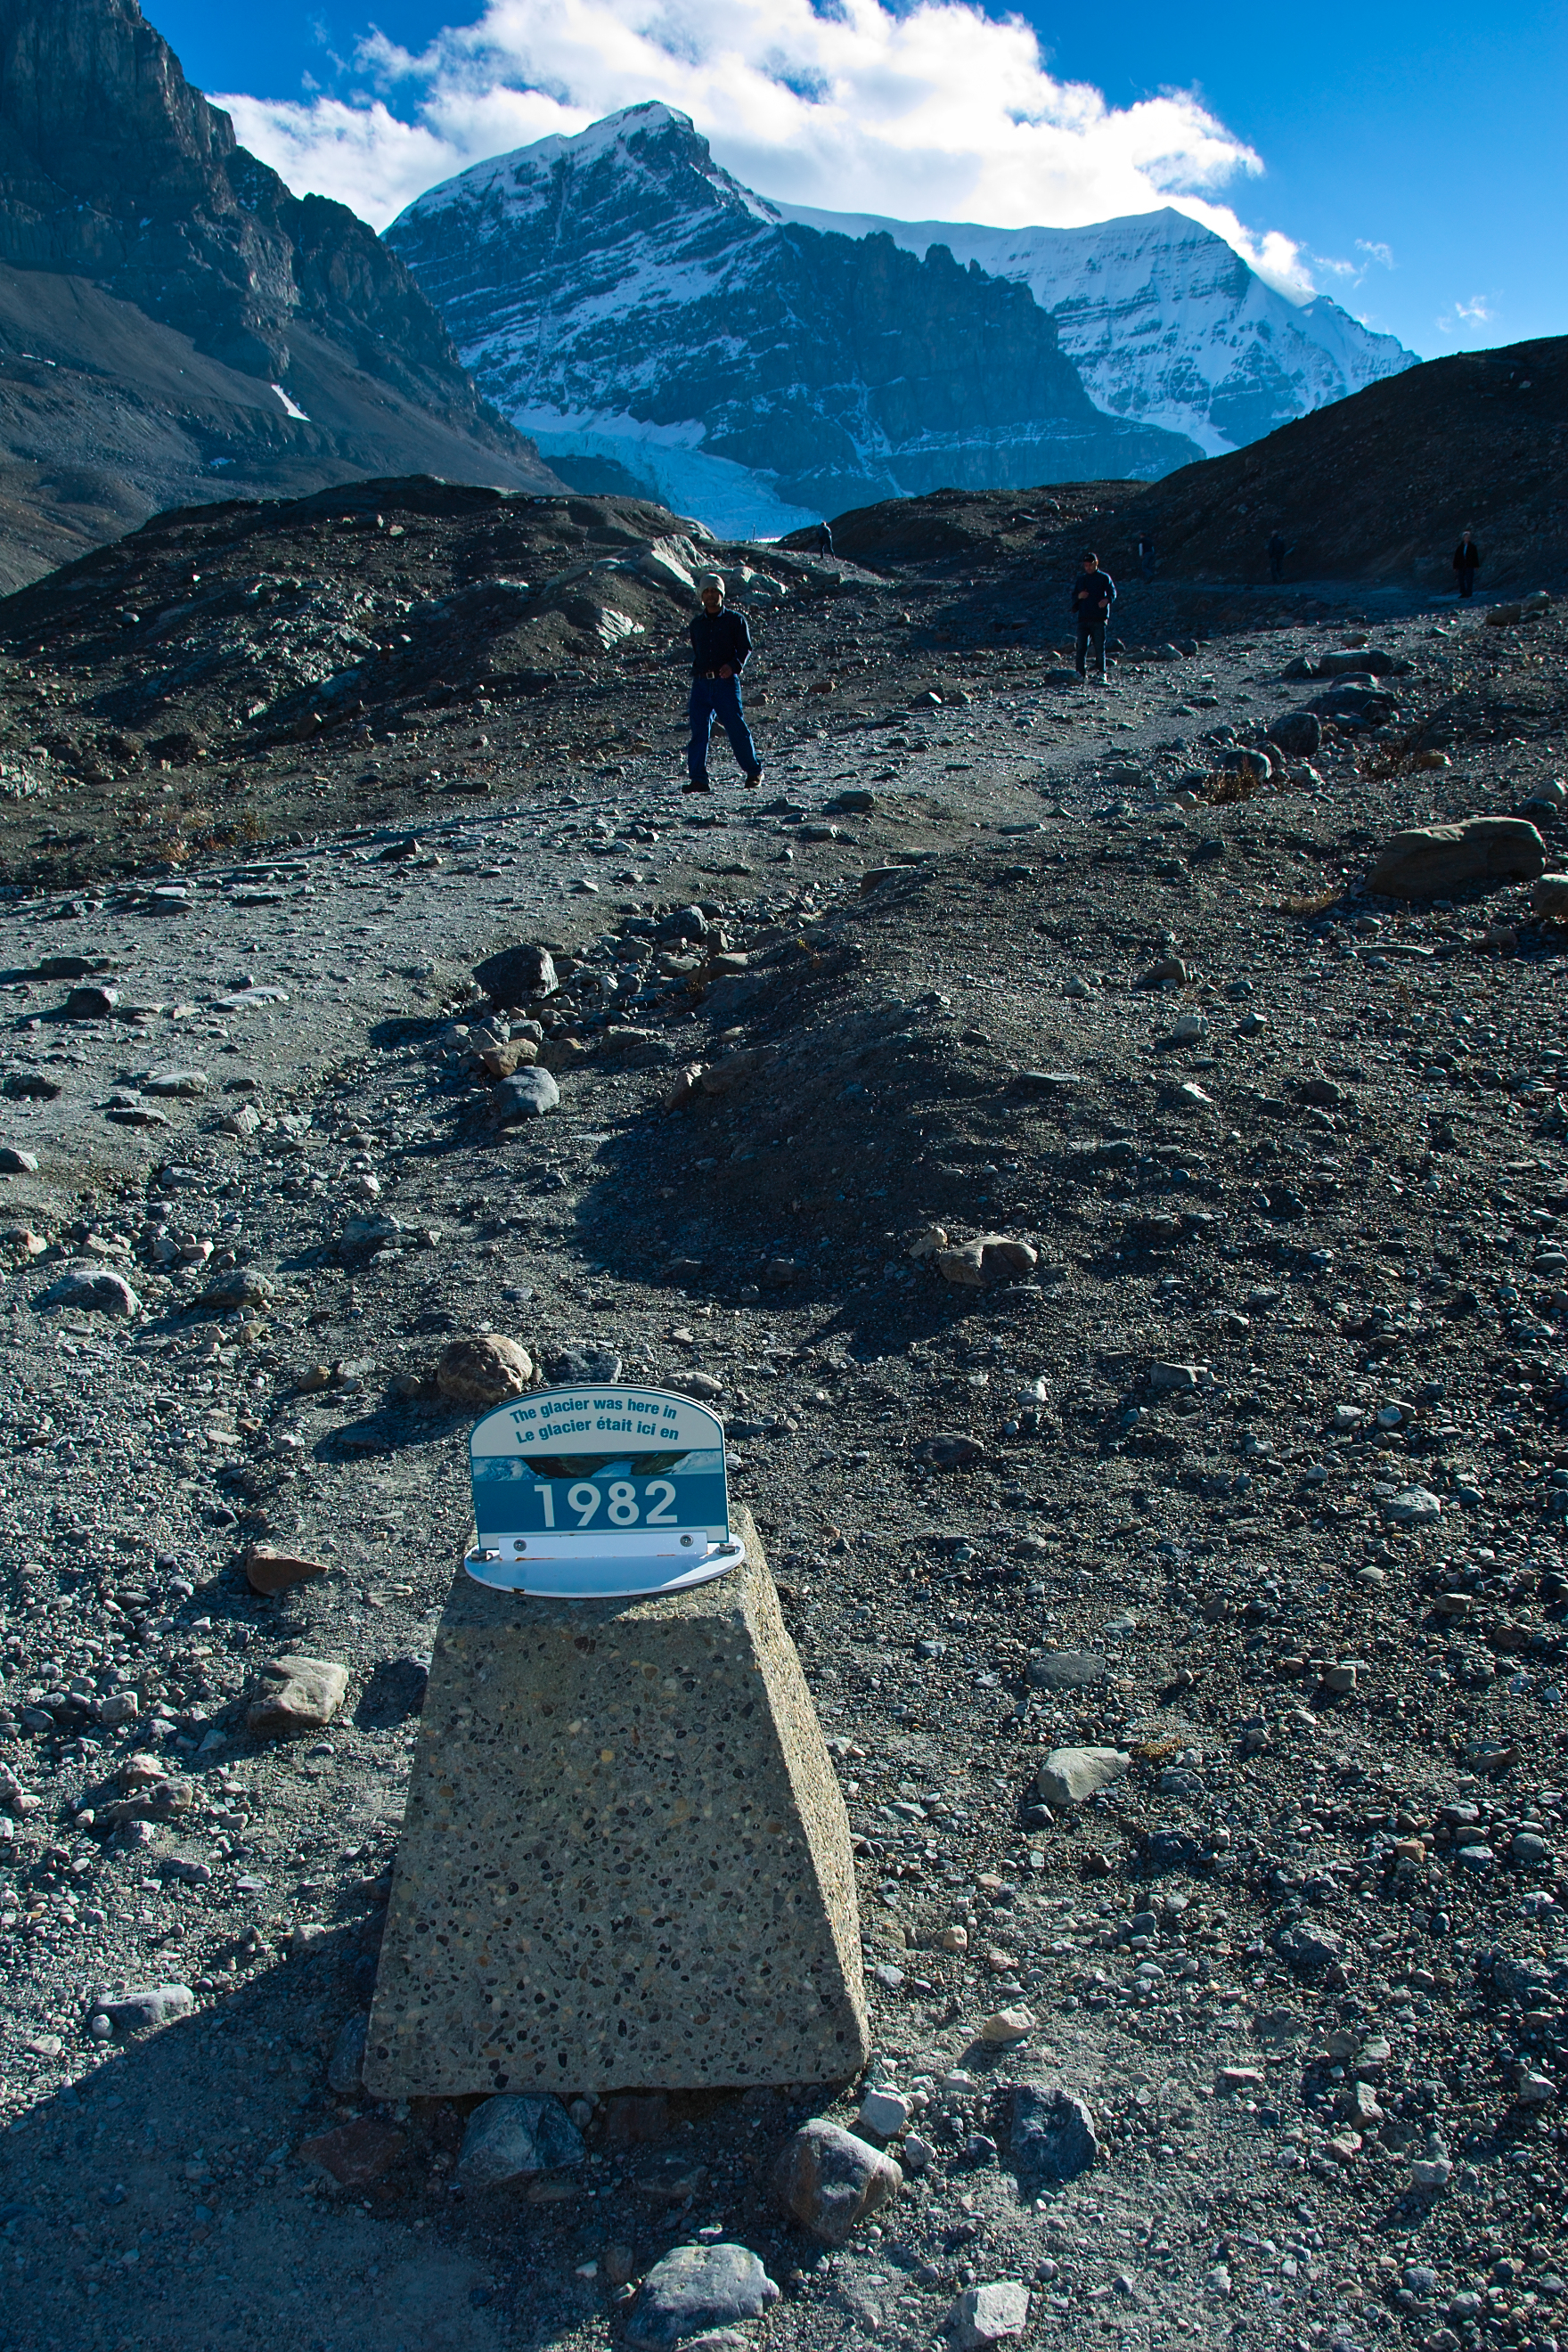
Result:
[516,975]
[1432,861]
[1070,1776]
[295,1695]
[1412,1506]
[527,1094]
[143,2012]
[1305,1946]
[1067,1670]
[1053,2134]
[512,2139]
[97,1289]
[1297,733]
[989,2314]
[829,2180]
[647,1779]
[695,2288]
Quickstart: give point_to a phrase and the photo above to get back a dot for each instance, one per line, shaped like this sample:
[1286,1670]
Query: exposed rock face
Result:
[681,307]
[137,240]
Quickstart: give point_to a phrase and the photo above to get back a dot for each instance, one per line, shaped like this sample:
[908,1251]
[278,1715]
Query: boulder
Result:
[294,1696]
[527,1094]
[830,2182]
[518,973]
[143,2012]
[1066,1670]
[989,1259]
[1297,733]
[1548,899]
[989,2314]
[1070,1776]
[482,1369]
[504,1061]
[1053,2134]
[696,2288]
[14,1162]
[512,2139]
[1432,861]
[97,1288]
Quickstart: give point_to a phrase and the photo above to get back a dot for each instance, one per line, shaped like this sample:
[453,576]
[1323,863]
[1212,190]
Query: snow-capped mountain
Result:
[1163,320]
[631,305]
[655,325]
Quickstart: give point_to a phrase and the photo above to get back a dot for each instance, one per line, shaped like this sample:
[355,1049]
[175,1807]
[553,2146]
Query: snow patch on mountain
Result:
[1164,322]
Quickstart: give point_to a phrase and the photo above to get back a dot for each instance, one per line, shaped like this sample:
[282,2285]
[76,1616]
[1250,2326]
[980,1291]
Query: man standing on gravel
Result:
[720,649]
[1466,560]
[1093,594]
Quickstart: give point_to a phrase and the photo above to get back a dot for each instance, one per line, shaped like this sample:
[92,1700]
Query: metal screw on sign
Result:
[599,1493]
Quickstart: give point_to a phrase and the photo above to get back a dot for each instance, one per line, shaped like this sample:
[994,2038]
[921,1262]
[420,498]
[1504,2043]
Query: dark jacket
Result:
[1093,594]
[1467,556]
[719,641]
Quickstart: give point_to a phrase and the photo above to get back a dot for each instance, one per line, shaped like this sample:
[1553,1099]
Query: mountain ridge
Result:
[650,318]
[264,342]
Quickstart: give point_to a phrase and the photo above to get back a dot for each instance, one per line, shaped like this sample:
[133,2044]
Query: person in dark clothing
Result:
[823,539]
[1146,555]
[720,649]
[1277,551]
[1093,594]
[1466,561]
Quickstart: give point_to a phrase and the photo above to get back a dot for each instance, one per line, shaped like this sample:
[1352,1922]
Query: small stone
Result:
[1233,2080]
[1529,1851]
[580,1363]
[1412,1507]
[17,1163]
[270,1571]
[482,1369]
[883,2113]
[1307,1948]
[1053,2135]
[830,2182]
[516,975]
[95,1290]
[1066,1670]
[143,2012]
[1431,2172]
[1070,1776]
[1341,1680]
[505,1061]
[1005,2027]
[989,2314]
[345,2067]
[696,2288]
[295,1695]
[116,1709]
[184,1083]
[512,2139]
[701,1385]
[241,1287]
[309,1936]
[954,1939]
[356,2154]
[951,1449]
[1534,2089]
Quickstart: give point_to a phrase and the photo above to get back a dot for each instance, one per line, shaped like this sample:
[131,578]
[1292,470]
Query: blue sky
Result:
[1412,156]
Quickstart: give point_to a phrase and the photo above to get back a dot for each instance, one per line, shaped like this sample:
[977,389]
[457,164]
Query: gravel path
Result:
[1294,1215]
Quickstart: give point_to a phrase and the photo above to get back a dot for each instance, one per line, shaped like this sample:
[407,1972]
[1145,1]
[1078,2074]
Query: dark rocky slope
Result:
[157,283]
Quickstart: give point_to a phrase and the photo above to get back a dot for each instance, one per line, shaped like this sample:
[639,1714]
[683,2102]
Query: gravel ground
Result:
[1245,1469]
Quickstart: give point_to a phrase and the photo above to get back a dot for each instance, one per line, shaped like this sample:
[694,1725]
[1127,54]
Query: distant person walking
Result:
[1093,594]
[1467,562]
[1277,551]
[1146,555]
[720,649]
[823,539]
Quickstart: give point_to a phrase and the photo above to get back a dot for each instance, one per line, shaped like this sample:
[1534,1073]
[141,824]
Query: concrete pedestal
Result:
[626,1862]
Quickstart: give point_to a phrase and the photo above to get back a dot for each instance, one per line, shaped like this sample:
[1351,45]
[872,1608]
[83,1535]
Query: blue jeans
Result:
[718,698]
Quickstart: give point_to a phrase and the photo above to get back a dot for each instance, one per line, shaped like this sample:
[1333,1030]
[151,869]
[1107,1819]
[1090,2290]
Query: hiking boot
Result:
[753,776]
[698,785]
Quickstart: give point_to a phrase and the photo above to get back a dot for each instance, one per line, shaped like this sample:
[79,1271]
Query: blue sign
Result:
[594,1492]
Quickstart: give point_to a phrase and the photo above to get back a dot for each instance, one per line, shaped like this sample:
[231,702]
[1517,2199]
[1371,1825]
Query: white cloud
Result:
[935,110]
[1375,252]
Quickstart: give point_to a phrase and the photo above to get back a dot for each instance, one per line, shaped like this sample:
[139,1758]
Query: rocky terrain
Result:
[174,324]
[1124,1239]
